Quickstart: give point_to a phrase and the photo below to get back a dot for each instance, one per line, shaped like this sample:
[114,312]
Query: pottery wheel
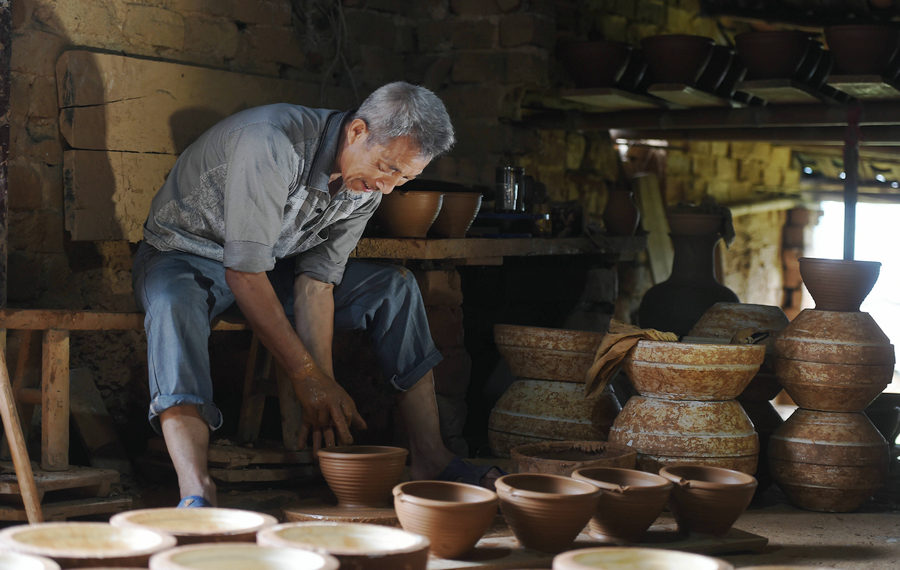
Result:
[318,510]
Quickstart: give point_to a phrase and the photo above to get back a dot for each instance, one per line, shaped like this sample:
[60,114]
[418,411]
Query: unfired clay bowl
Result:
[693,371]
[236,556]
[564,457]
[547,353]
[838,284]
[708,499]
[84,544]
[408,214]
[546,512]
[357,546]
[362,475]
[628,558]
[630,502]
[456,215]
[453,516]
[191,526]
[17,561]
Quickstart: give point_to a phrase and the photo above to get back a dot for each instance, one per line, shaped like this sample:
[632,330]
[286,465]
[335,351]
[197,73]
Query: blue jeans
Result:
[182,293]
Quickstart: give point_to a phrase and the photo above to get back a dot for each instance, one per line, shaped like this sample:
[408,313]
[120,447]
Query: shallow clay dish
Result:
[453,516]
[546,512]
[357,546]
[408,214]
[838,284]
[236,556]
[80,544]
[628,558]
[564,457]
[693,371]
[457,213]
[547,353]
[190,526]
[630,502]
[362,475]
[18,561]
[708,499]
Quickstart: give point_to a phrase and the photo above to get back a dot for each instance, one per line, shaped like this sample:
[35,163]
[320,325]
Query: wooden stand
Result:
[318,510]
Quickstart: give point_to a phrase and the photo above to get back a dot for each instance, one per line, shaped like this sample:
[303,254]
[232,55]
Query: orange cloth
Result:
[616,345]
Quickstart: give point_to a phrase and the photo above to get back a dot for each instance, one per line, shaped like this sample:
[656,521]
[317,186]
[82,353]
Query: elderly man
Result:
[263,210]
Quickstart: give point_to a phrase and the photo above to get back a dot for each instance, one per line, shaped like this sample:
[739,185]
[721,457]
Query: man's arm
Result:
[325,404]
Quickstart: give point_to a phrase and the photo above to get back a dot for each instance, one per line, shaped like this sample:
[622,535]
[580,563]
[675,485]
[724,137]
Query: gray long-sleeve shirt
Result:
[254,188]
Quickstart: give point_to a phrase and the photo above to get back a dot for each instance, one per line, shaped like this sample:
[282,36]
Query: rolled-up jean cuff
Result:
[408,380]
[208,411]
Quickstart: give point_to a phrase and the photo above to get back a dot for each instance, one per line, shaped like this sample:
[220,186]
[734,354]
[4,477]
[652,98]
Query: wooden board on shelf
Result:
[865,86]
[781,91]
[611,99]
[687,96]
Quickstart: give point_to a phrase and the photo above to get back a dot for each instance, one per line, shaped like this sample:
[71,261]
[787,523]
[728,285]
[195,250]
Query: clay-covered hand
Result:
[327,408]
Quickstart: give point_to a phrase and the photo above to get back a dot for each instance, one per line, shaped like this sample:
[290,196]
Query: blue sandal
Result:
[193,502]
[464,472]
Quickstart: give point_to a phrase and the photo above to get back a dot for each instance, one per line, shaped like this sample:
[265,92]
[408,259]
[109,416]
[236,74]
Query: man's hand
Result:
[326,408]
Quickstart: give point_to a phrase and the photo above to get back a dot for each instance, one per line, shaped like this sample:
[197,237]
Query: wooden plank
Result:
[611,99]
[227,455]
[22,464]
[781,91]
[43,319]
[654,222]
[55,401]
[263,474]
[687,96]
[76,477]
[872,87]
[62,510]
[465,248]
[94,425]
[121,103]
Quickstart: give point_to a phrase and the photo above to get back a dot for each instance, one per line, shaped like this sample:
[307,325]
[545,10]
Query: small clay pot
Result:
[676,58]
[547,353]
[693,371]
[546,512]
[458,211]
[607,557]
[191,526]
[16,560]
[862,49]
[237,555]
[362,475]
[630,502]
[594,63]
[772,54]
[357,546]
[564,457]
[85,544]
[708,499]
[838,284]
[408,214]
[453,516]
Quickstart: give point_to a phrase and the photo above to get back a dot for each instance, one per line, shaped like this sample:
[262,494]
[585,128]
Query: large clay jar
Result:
[547,353]
[677,303]
[664,432]
[828,461]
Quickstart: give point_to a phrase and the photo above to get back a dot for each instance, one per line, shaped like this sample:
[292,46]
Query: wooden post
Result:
[55,401]
[5,46]
[851,180]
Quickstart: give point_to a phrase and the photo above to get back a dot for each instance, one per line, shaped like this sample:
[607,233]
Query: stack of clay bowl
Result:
[722,323]
[833,361]
[686,411]
[546,402]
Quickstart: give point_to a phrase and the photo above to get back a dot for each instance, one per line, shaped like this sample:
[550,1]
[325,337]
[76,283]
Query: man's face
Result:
[369,167]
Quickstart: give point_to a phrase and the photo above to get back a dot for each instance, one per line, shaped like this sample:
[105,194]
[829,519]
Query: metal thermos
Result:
[507,189]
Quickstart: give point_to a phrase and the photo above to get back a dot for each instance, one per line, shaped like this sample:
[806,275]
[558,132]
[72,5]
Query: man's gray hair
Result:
[401,109]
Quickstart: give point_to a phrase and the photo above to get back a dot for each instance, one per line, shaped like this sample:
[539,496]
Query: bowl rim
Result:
[329,561]
[654,482]
[7,538]
[44,562]
[505,488]
[573,555]
[126,519]
[401,493]
[365,451]
[679,481]
[273,534]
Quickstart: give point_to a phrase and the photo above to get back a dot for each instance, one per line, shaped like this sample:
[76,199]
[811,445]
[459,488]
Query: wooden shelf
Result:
[865,87]
[611,99]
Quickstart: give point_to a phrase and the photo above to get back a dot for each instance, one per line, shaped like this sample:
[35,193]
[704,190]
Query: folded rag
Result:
[616,345]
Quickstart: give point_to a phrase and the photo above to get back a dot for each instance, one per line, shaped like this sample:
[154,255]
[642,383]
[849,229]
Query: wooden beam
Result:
[43,319]
[463,248]
[881,136]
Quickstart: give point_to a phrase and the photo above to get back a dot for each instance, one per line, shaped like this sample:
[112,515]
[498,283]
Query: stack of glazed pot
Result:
[833,361]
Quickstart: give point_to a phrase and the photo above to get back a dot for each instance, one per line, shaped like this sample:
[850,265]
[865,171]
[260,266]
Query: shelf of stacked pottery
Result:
[833,361]
[686,410]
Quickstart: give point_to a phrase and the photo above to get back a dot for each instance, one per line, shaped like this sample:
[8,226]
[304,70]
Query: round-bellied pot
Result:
[838,284]
[190,526]
[629,503]
[454,516]
[546,353]
[631,557]
[357,546]
[692,371]
[564,457]
[458,211]
[362,475]
[862,48]
[665,432]
[594,63]
[772,54]
[546,512]
[86,544]
[531,411]
[408,214]
[241,555]
[828,461]
[676,58]
[708,499]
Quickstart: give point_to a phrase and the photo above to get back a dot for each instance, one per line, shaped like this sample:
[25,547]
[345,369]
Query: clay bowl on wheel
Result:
[546,512]
[594,63]
[458,211]
[564,457]
[708,499]
[16,561]
[225,556]
[453,516]
[81,544]
[408,214]
[631,500]
[772,54]
[357,546]
[362,475]
[190,526]
[838,284]
[862,49]
[693,371]
[676,58]
[630,558]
